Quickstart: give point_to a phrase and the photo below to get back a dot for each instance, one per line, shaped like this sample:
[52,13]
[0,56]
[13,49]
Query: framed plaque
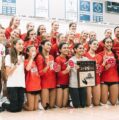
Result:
[86,73]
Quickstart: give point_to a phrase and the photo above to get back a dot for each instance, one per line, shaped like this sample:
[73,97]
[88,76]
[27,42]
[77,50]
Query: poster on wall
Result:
[9,7]
[71,9]
[97,12]
[42,8]
[84,10]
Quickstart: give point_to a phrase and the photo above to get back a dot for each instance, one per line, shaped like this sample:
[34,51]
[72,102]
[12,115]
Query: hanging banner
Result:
[71,9]
[97,12]
[84,10]
[9,7]
[42,8]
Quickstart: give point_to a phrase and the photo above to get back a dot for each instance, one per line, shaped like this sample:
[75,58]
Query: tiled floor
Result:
[105,112]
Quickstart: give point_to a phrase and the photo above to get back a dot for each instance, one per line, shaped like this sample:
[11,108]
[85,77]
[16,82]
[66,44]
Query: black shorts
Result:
[62,86]
[33,92]
[109,83]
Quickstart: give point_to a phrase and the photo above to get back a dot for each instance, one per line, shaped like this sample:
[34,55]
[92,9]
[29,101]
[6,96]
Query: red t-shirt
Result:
[33,82]
[62,79]
[77,35]
[110,74]
[100,47]
[23,36]
[39,38]
[99,67]
[29,42]
[53,38]
[116,47]
[7,32]
[48,79]
[54,51]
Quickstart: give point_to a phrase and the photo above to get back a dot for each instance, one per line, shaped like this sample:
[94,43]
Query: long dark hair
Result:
[27,35]
[113,51]
[60,47]
[76,45]
[38,33]
[27,50]
[13,52]
[41,49]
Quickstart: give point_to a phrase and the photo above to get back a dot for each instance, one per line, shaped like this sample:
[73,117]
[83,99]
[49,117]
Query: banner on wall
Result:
[97,12]
[71,9]
[9,7]
[84,10]
[42,8]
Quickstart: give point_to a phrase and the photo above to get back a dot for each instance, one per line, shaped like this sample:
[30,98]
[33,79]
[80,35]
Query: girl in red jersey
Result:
[54,31]
[30,39]
[62,76]
[70,40]
[73,28]
[29,26]
[54,50]
[33,83]
[14,23]
[40,31]
[48,77]
[94,93]
[109,76]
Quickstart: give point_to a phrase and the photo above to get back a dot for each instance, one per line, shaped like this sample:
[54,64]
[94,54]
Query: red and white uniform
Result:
[54,51]
[7,32]
[48,79]
[33,81]
[23,36]
[62,79]
[109,74]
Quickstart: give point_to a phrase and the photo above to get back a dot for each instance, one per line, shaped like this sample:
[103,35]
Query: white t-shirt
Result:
[2,53]
[17,78]
[73,80]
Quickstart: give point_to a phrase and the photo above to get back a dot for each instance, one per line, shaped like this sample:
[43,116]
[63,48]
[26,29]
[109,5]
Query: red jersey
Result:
[39,38]
[116,47]
[33,82]
[109,74]
[100,47]
[29,42]
[23,36]
[53,38]
[62,79]
[48,79]
[77,35]
[7,32]
[99,67]
[54,51]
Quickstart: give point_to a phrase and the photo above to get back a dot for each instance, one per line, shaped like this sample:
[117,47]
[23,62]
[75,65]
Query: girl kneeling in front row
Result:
[33,83]
[62,76]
